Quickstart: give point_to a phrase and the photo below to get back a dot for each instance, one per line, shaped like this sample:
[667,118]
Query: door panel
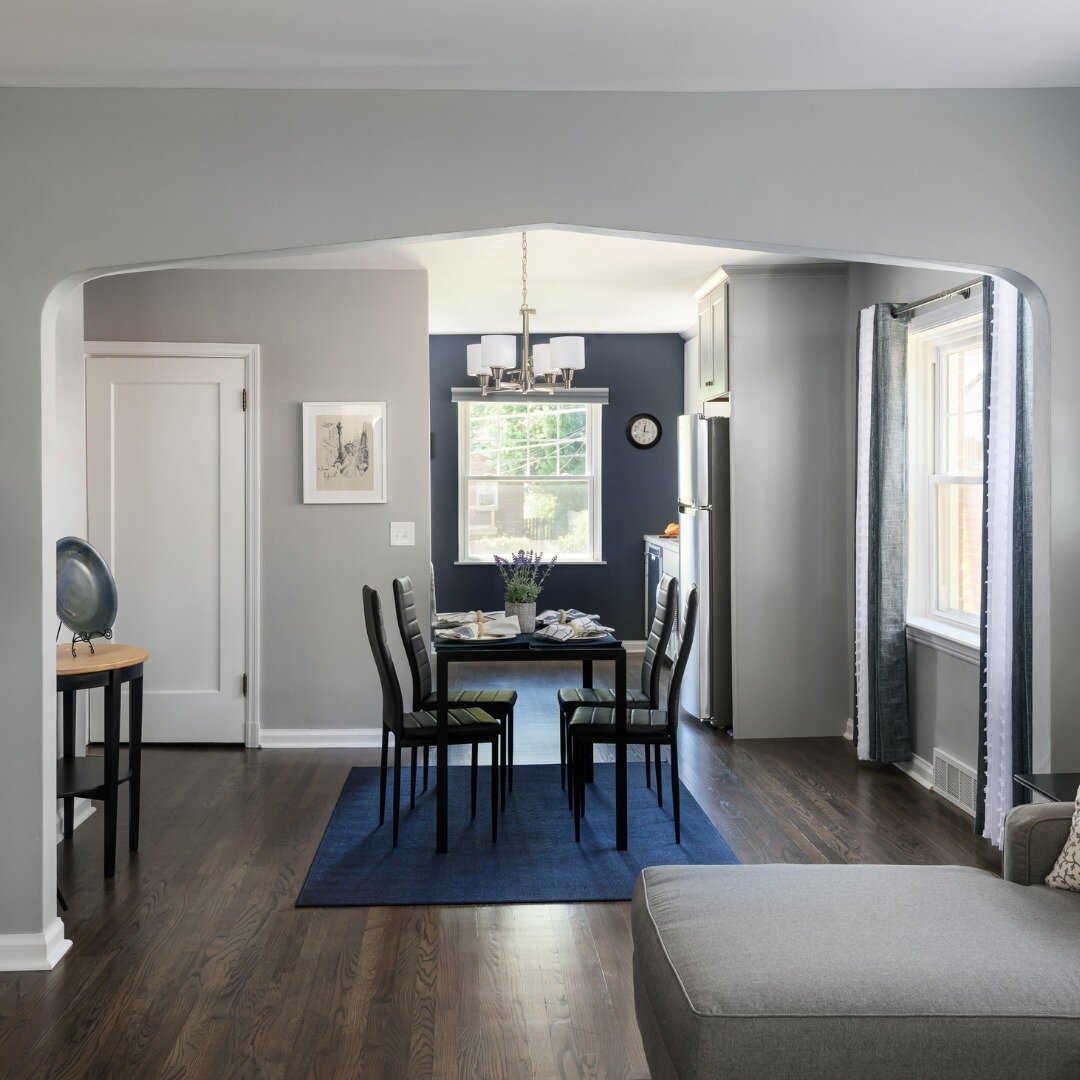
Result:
[165,486]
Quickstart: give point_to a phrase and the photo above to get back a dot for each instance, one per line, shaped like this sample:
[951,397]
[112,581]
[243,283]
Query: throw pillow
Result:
[1066,872]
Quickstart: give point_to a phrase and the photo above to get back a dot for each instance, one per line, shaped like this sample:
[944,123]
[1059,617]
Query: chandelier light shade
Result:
[567,352]
[495,361]
[474,361]
[499,351]
[541,360]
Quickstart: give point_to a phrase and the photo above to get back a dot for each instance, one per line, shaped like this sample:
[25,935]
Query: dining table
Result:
[525,648]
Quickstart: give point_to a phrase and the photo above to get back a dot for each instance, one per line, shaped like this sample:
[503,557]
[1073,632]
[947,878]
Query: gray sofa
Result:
[844,972]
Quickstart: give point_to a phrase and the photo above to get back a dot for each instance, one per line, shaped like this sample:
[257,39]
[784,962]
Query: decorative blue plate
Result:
[85,587]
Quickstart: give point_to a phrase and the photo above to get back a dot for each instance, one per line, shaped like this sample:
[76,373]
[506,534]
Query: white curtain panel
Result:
[1001,457]
[864,402]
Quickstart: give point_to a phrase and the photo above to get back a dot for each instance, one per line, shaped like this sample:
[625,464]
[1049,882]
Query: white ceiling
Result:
[556,45]
[585,282]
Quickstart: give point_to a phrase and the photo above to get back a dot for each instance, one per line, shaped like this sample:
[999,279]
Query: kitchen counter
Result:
[667,541]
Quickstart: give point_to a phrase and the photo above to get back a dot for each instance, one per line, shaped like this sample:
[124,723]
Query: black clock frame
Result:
[643,416]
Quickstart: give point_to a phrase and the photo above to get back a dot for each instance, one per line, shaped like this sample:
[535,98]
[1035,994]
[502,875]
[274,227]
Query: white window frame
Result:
[593,421]
[929,335]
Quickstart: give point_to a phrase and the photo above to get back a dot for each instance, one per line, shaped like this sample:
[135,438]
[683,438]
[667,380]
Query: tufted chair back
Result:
[667,600]
[391,688]
[412,638]
[685,645]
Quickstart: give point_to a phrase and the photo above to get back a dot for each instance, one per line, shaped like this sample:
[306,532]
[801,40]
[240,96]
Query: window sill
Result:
[561,562]
[952,640]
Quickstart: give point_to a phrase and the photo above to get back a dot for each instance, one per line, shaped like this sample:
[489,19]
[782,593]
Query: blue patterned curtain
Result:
[882,729]
[1005,712]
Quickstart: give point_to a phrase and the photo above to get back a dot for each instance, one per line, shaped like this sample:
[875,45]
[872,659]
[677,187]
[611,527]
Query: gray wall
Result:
[643,373]
[324,335]
[788,356]
[943,689]
[100,179]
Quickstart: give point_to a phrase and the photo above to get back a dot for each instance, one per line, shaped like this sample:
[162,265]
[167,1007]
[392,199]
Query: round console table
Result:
[108,666]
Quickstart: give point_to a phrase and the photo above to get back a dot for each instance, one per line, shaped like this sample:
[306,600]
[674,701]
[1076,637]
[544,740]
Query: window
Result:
[946,470]
[530,478]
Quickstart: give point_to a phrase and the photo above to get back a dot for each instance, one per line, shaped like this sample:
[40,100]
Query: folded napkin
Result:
[507,627]
[463,618]
[562,615]
[583,627]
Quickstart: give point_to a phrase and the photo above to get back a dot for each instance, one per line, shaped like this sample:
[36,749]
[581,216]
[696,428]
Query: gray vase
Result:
[526,615]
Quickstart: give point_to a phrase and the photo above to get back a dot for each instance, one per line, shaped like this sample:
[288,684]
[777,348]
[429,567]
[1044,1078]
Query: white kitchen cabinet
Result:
[712,338]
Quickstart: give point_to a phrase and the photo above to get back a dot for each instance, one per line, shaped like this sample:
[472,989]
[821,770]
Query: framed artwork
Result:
[344,451]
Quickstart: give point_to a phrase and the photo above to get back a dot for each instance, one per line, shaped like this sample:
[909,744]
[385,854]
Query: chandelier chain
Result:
[524,271]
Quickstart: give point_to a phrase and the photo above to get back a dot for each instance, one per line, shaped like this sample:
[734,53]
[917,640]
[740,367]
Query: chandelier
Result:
[500,368]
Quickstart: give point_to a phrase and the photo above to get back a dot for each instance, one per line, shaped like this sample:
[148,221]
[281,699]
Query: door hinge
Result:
[244,684]
[244,399]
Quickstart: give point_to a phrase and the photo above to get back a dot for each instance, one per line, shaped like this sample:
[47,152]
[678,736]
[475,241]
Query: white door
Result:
[165,442]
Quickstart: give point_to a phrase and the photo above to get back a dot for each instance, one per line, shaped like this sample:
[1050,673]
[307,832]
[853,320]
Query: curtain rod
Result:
[960,290]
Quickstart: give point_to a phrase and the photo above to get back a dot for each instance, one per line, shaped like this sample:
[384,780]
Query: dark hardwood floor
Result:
[193,962]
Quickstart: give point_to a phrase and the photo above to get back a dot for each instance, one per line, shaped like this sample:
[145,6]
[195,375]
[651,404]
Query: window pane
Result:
[552,517]
[527,439]
[959,508]
[963,415]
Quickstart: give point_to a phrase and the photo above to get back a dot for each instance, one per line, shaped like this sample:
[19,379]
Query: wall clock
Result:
[643,431]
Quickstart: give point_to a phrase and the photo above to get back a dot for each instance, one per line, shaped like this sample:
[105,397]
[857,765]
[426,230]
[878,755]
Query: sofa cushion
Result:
[1066,872]
[855,971]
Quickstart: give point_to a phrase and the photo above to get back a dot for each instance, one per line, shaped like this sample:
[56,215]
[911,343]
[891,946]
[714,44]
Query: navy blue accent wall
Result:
[644,373]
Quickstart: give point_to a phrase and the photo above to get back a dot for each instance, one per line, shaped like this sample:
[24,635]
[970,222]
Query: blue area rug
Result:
[535,859]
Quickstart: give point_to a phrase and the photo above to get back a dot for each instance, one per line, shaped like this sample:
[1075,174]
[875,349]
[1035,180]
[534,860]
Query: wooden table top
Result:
[106,656]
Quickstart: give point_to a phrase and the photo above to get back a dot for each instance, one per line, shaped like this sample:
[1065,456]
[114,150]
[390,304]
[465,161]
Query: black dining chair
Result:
[592,724]
[420,728]
[499,703]
[573,697]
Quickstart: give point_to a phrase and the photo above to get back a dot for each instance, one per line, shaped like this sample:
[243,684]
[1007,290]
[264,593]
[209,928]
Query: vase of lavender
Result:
[523,575]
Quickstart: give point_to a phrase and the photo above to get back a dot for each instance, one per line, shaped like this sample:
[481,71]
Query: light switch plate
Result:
[402,533]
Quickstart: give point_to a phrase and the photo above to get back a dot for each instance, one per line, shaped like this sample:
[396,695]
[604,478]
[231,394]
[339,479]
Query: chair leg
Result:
[659,777]
[648,766]
[397,788]
[510,747]
[502,761]
[497,768]
[426,749]
[569,770]
[674,751]
[412,781]
[577,783]
[564,759]
[382,774]
[475,764]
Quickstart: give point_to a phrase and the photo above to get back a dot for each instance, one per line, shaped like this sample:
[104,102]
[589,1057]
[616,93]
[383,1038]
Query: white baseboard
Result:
[313,738]
[83,809]
[849,730]
[919,769]
[34,952]
[634,646]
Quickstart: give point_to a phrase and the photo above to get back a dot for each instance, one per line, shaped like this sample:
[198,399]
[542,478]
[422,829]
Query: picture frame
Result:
[344,451]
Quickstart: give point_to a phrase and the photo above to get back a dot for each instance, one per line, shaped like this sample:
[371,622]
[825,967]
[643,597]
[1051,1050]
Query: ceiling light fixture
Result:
[499,368]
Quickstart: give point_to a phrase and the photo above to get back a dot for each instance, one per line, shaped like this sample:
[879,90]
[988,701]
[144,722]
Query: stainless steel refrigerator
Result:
[705,561]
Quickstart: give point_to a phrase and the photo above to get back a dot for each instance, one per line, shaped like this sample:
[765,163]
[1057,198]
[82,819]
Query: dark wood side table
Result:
[108,666]
[1057,787]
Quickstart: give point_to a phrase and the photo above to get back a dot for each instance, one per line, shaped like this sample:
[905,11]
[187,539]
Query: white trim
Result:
[34,952]
[717,277]
[919,769]
[634,646]
[593,461]
[82,810]
[253,504]
[963,644]
[864,413]
[849,730]
[311,738]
